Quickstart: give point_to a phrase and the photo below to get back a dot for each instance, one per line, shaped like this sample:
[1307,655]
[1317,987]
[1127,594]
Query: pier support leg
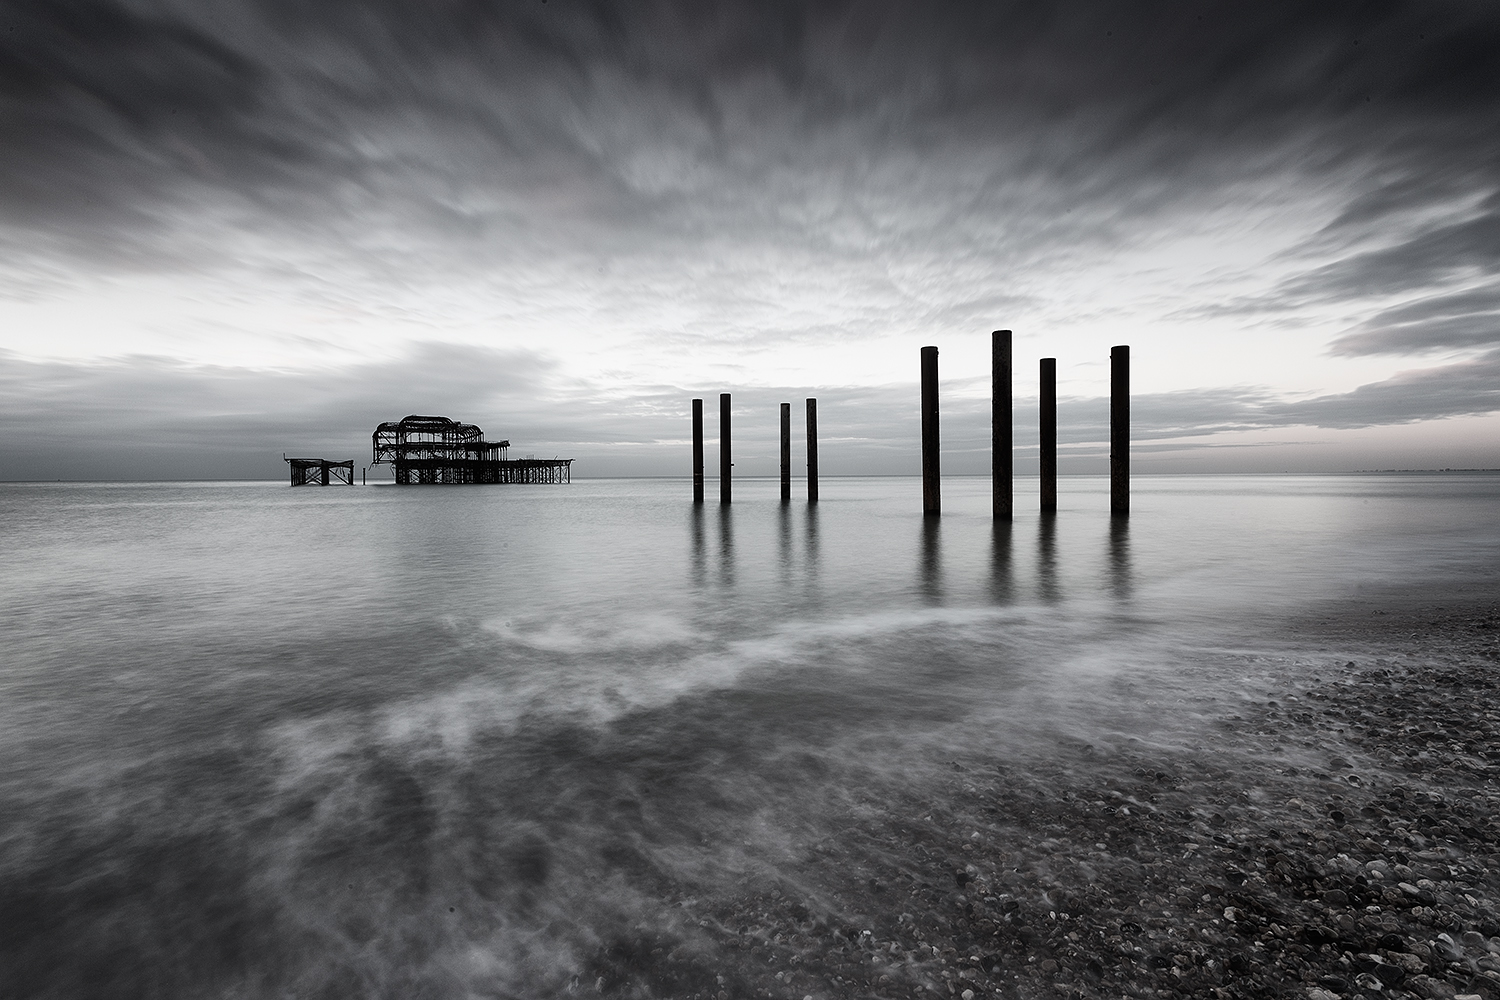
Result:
[786,452]
[1002,469]
[697,451]
[1049,434]
[931,483]
[725,464]
[1119,431]
[812,450]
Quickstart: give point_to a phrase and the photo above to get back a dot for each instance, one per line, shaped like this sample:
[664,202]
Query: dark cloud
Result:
[906,161]
[1455,321]
[115,112]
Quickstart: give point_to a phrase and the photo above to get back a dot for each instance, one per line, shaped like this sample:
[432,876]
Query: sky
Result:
[234,229]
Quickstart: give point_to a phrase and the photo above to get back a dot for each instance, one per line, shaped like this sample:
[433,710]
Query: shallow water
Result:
[404,741]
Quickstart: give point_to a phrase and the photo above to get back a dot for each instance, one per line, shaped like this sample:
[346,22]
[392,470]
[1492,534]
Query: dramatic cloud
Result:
[639,197]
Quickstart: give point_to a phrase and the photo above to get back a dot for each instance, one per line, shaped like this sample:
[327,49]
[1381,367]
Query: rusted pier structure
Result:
[1119,430]
[438,450]
[320,472]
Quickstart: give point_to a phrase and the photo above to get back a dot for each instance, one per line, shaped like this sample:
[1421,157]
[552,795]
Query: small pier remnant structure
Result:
[812,450]
[320,472]
[1119,430]
[1048,421]
[1002,462]
[932,482]
[423,449]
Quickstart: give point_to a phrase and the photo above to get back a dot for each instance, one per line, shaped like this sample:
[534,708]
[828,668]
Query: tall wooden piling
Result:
[1002,468]
[724,461]
[1049,434]
[1119,430]
[786,452]
[697,451]
[931,482]
[812,450]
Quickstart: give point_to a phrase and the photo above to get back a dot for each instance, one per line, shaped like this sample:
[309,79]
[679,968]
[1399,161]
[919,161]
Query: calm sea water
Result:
[403,741]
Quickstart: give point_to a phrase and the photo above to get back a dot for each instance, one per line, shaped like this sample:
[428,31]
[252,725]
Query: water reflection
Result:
[784,538]
[700,549]
[1046,556]
[811,545]
[1002,573]
[726,545]
[1120,576]
[932,560]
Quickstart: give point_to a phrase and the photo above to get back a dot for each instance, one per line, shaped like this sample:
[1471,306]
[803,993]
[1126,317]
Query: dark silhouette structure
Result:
[725,464]
[320,472]
[439,450]
[1049,434]
[812,450]
[1001,460]
[932,503]
[697,451]
[1119,431]
[786,452]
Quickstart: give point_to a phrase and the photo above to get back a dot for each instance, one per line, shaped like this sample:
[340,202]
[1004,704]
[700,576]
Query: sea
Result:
[452,741]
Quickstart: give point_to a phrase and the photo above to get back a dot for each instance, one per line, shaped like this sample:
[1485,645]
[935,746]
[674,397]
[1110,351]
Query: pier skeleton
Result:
[424,449]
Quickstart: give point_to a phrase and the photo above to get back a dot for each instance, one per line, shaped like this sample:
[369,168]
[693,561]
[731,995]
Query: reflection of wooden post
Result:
[1001,467]
[1119,430]
[931,485]
[724,463]
[697,451]
[786,452]
[1049,434]
[812,450]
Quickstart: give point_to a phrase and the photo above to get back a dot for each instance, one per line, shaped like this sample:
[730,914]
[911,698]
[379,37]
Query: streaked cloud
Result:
[239,198]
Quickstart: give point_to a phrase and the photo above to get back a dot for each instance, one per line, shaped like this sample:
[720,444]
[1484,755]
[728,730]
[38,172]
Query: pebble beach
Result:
[1325,825]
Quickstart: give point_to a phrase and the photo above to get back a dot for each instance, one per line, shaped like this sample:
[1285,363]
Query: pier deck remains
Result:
[424,449]
[320,472]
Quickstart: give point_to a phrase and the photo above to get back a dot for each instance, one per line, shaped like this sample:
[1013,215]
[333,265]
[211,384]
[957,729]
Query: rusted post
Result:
[931,485]
[1119,430]
[1002,469]
[812,450]
[724,463]
[697,451]
[786,452]
[1049,434]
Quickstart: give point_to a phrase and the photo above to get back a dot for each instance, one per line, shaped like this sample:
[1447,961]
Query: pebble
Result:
[1238,877]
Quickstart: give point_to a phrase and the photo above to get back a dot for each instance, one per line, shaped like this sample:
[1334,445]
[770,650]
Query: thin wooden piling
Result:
[786,452]
[1049,434]
[812,450]
[724,462]
[931,484]
[1002,468]
[1119,430]
[697,451]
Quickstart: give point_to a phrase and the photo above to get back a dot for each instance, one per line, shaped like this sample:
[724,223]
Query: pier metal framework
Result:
[320,472]
[423,449]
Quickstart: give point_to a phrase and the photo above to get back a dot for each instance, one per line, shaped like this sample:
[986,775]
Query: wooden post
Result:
[697,451]
[324,467]
[786,452]
[1049,434]
[812,450]
[724,463]
[1002,469]
[1119,430]
[931,485]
